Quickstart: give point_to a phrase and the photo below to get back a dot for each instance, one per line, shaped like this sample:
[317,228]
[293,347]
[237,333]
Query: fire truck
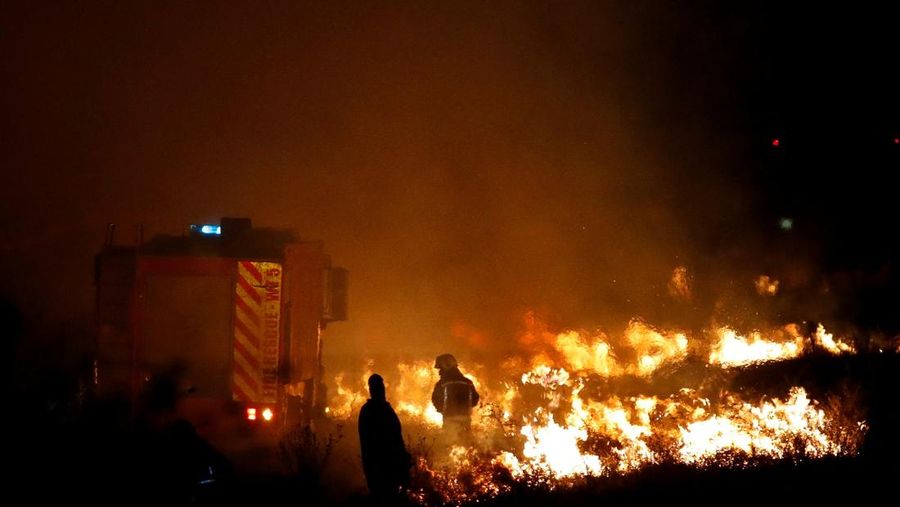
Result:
[235,312]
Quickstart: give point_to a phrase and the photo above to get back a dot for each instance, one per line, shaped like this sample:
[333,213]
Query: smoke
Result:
[466,162]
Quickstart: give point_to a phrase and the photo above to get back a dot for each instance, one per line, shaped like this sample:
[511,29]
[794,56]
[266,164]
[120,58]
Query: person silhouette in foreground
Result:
[385,460]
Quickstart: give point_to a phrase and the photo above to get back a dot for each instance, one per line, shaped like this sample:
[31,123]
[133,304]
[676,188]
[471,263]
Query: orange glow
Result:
[766,285]
[735,350]
[837,347]
[251,414]
[267,414]
[679,284]
[572,406]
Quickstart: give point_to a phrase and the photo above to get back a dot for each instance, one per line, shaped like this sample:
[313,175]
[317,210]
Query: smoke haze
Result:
[466,162]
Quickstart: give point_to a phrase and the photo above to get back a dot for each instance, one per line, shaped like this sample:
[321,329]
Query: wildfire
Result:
[562,413]
[772,428]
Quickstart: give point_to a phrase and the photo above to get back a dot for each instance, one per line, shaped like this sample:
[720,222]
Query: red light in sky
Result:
[776,142]
[897,140]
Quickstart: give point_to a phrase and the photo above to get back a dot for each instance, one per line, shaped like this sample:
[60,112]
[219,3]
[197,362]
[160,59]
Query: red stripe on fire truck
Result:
[253,271]
[248,311]
[248,289]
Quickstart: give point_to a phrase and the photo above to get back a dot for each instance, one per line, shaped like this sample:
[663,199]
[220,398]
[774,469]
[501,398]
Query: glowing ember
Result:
[679,286]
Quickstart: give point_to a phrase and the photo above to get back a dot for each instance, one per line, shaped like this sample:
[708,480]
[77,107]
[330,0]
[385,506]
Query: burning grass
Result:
[587,407]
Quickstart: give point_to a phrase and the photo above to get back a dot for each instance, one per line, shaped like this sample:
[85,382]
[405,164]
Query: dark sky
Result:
[466,162]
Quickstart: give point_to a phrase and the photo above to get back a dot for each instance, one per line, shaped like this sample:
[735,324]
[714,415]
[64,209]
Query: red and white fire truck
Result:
[237,311]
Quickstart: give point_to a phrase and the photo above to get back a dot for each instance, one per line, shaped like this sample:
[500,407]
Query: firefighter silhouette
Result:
[385,460]
[454,396]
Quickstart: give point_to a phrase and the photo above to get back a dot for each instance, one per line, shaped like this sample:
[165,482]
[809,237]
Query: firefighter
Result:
[385,460]
[454,396]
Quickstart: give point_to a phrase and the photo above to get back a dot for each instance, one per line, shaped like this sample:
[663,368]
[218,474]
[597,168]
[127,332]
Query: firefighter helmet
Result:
[445,361]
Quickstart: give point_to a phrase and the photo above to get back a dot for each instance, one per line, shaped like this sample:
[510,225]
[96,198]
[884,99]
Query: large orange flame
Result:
[574,408]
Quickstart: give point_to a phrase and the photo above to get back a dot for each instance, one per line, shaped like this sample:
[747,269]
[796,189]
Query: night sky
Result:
[466,162]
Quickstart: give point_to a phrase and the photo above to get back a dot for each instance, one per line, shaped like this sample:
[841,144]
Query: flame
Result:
[584,354]
[347,399]
[766,286]
[556,415]
[413,392]
[630,428]
[770,429]
[554,449]
[826,341]
[654,348]
[735,350]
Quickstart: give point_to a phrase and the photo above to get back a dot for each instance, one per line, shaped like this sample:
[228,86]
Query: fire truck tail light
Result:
[251,414]
[267,414]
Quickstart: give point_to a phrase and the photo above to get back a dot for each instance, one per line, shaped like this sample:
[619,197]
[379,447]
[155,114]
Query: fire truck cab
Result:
[233,312]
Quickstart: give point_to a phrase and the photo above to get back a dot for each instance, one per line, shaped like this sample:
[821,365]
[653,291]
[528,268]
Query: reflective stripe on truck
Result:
[257,331]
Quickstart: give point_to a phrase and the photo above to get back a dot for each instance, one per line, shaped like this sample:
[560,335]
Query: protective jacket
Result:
[454,395]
